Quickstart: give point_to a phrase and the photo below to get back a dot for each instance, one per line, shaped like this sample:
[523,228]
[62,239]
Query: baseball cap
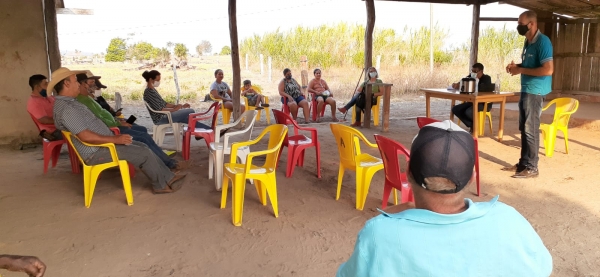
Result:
[442,149]
[98,84]
[61,74]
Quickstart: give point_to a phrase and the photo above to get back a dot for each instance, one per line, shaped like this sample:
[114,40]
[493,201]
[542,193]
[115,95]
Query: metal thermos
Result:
[467,85]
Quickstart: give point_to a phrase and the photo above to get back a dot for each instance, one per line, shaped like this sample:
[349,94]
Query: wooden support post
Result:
[387,95]
[474,35]
[235,59]
[304,75]
[368,59]
[367,111]
[52,34]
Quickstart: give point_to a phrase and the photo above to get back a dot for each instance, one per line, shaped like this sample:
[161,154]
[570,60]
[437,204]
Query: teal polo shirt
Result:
[536,53]
[488,239]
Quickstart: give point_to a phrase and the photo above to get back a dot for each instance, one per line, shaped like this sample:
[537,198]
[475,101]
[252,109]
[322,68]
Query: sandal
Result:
[173,185]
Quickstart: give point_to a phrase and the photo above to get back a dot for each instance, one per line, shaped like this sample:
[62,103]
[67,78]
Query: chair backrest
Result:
[564,108]
[285,119]
[277,133]
[422,121]
[390,149]
[255,88]
[348,143]
[37,123]
[68,138]
[118,100]
[249,117]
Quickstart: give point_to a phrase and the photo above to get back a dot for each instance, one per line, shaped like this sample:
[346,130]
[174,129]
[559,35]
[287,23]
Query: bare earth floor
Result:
[186,234]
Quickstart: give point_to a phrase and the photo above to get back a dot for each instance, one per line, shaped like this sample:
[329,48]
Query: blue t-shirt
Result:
[488,239]
[536,53]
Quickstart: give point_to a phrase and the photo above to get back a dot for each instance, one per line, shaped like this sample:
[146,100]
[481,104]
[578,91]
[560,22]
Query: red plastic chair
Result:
[422,121]
[52,150]
[190,131]
[394,177]
[313,106]
[116,131]
[297,143]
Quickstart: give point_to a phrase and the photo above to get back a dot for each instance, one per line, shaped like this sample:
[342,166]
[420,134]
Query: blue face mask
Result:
[43,93]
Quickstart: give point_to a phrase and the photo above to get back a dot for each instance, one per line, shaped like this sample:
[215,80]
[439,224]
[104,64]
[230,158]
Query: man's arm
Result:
[545,70]
[28,264]
[46,120]
[90,137]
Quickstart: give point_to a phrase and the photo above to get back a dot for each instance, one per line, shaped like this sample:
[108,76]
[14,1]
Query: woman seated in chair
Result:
[290,89]
[375,92]
[323,94]
[220,90]
[179,113]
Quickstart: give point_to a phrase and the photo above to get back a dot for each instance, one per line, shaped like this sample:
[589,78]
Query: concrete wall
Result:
[22,54]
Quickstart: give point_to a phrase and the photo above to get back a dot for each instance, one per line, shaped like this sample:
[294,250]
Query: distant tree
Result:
[144,51]
[163,55]
[116,50]
[181,51]
[204,47]
[225,50]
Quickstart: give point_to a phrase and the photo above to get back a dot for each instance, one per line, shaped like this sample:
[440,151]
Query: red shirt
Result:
[39,107]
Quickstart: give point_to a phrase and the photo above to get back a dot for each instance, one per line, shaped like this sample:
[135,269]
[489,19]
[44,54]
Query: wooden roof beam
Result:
[461,2]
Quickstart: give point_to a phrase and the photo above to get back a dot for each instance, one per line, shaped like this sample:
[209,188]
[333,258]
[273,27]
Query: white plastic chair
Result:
[118,100]
[158,131]
[217,151]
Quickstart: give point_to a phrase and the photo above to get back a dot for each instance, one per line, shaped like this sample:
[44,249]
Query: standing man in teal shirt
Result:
[536,82]
[446,234]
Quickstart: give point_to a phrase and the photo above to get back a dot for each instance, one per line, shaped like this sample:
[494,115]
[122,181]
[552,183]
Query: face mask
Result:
[373,74]
[43,93]
[288,76]
[522,29]
[98,93]
[473,75]
[156,84]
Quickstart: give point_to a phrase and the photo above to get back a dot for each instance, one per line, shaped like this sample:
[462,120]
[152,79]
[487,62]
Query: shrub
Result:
[136,95]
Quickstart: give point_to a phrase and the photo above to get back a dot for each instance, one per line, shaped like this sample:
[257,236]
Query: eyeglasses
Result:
[474,71]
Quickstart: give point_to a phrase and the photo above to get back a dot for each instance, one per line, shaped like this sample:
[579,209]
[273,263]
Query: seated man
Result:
[40,107]
[72,116]
[138,133]
[97,95]
[254,98]
[447,234]
[464,111]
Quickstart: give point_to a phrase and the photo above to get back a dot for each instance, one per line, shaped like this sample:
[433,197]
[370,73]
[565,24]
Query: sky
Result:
[191,21]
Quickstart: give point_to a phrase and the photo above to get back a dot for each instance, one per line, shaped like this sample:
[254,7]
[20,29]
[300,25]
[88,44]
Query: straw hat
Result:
[61,74]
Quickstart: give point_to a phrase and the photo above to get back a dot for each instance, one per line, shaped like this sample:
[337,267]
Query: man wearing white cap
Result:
[446,234]
[70,115]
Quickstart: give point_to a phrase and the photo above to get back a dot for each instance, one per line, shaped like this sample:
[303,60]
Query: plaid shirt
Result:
[156,102]
[70,115]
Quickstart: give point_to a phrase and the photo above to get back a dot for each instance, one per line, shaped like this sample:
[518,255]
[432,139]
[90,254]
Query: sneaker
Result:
[529,172]
[514,168]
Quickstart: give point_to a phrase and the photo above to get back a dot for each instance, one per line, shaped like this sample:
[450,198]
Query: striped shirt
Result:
[292,88]
[156,102]
[72,116]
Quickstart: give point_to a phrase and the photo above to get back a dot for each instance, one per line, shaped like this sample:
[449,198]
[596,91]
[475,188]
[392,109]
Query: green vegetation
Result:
[181,51]
[226,50]
[116,50]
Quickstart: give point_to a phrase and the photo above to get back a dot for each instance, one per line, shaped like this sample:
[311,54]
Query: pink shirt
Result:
[39,107]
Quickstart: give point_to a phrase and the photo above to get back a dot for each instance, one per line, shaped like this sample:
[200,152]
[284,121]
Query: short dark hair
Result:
[35,80]
[59,86]
[247,82]
[479,66]
[217,71]
[150,74]
[81,78]
[531,15]
[315,71]
[285,71]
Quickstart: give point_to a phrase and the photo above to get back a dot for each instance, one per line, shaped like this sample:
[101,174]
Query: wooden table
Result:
[387,91]
[481,97]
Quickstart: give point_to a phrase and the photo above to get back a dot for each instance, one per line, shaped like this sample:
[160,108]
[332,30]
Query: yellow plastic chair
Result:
[564,108]
[348,142]
[264,176]
[225,112]
[91,172]
[375,109]
[482,116]
[267,109]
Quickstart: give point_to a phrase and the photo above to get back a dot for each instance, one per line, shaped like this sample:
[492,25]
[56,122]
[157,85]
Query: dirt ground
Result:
[186,234]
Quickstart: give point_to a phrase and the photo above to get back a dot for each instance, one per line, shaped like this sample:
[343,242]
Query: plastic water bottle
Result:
[497,86]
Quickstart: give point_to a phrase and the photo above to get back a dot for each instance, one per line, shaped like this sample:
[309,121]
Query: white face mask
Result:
[373,74]
[156,84]
[98,93]
[473,75]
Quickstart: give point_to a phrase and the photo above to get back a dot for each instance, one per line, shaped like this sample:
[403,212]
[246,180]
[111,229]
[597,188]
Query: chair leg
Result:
[291,162]
[550,141]
[124,168]
[225,186]
[489,116]
[318,154]
[56,154]
[367,177]
[268,115]
[261,191]
[93,178]
[185,147]
[387,189]
[239,187]
[271,189]
[566,134]
[218,169]
[211,164]
[340,177]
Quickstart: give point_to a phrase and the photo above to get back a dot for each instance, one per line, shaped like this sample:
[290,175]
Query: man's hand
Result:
[455,85]
[186,105]
[509,66]
[125,124]
[28,264]
[177,108]
[118,113]
[123,139]
[515,70]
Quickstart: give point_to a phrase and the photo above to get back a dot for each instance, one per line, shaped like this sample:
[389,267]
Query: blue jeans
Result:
[182,116]
[530,110]
[142,136]
[464,112]
[352,102]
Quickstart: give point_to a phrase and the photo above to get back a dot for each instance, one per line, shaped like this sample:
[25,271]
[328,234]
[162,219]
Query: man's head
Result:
[441,163]
[527,23]
[478,69]
[64,82]
[87,84]
[247,84]
[38,84]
